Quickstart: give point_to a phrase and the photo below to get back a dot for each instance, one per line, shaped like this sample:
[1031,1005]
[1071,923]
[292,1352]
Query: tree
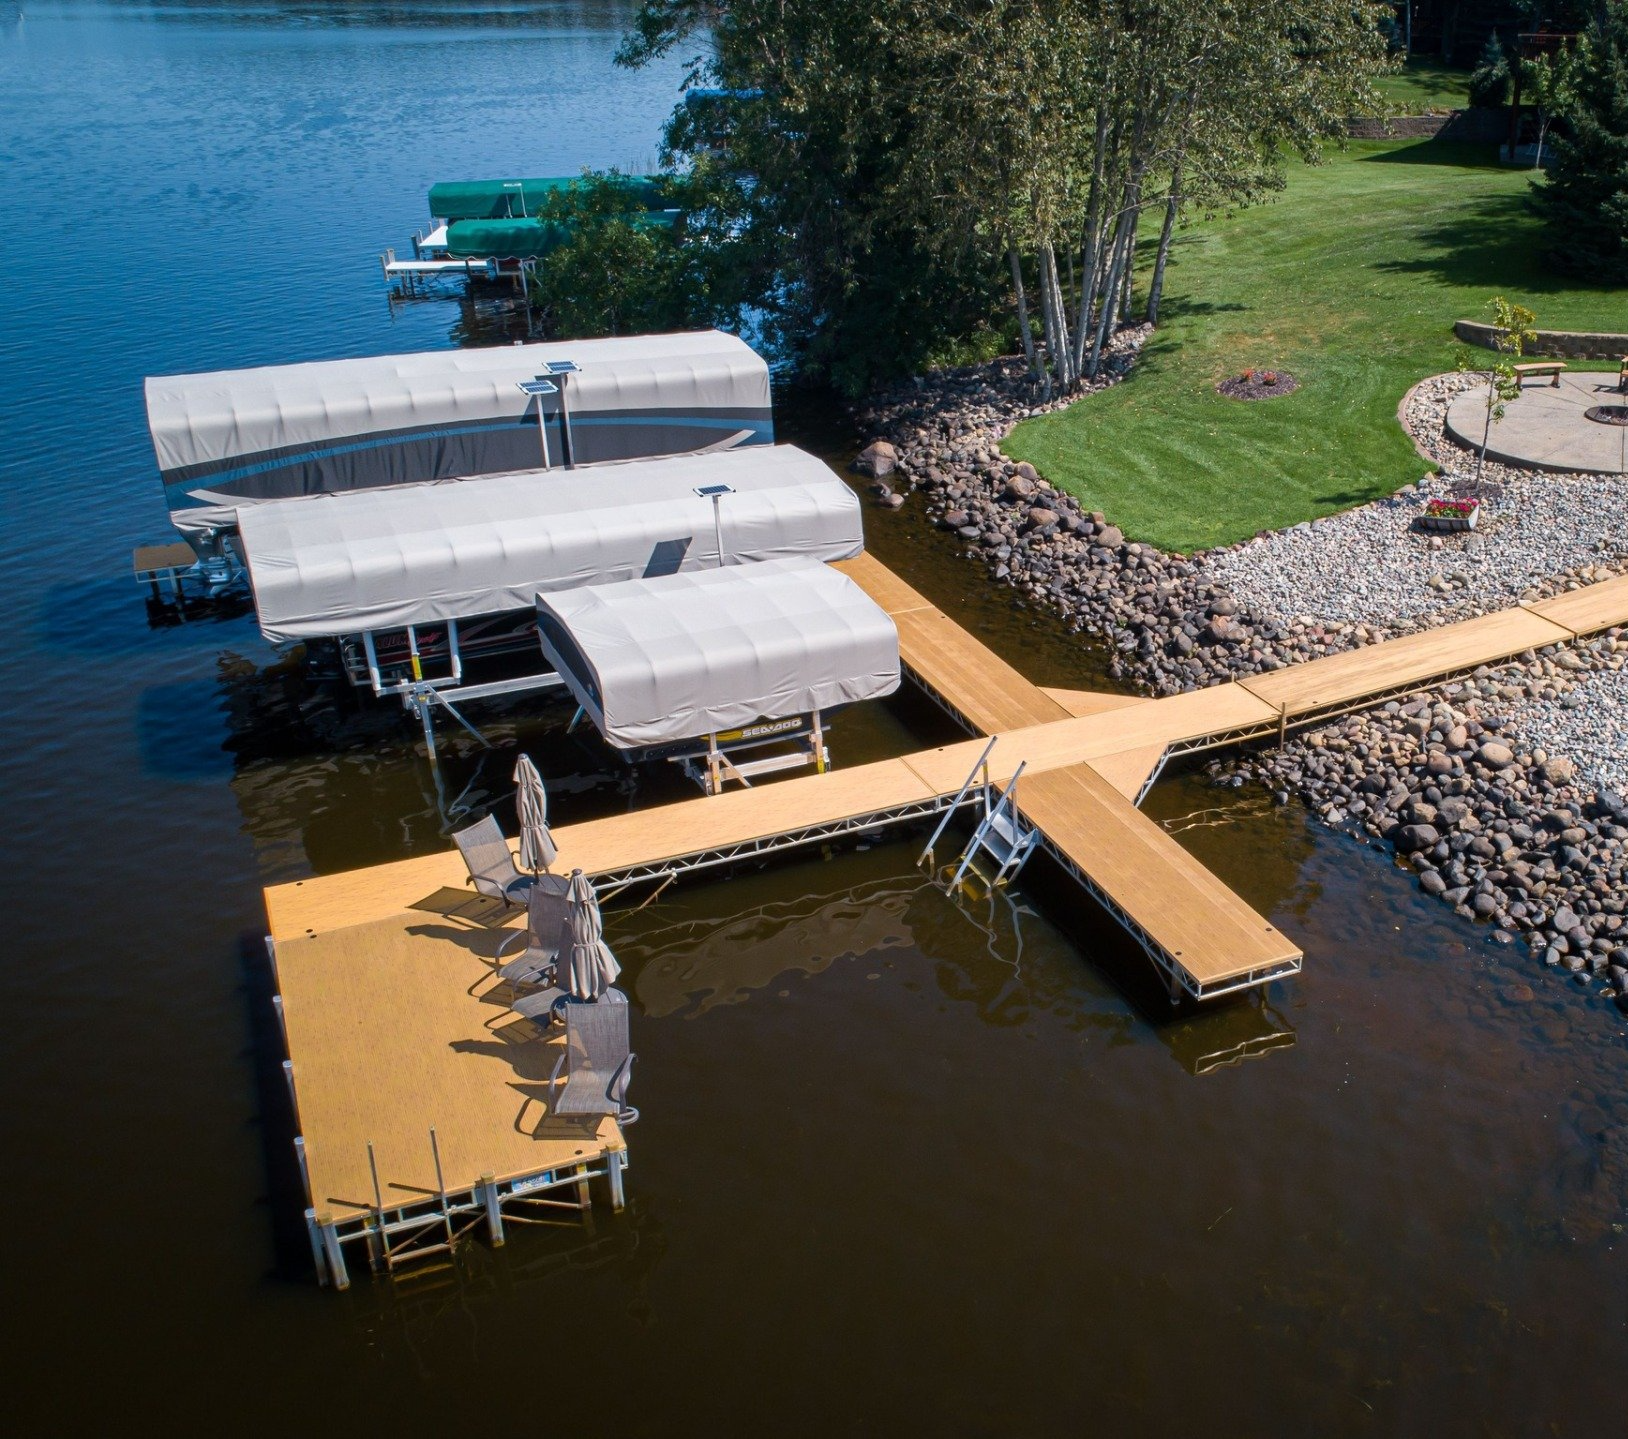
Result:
[902,163]
[1551,81]
[1513,330]
[1491,79]
[619,272]
[1584,196]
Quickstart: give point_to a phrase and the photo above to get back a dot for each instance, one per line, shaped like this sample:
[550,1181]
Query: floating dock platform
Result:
[383,973]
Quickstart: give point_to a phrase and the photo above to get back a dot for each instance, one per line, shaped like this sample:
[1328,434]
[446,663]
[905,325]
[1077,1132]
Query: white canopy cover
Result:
[239,436]
[688,655]
[412,554]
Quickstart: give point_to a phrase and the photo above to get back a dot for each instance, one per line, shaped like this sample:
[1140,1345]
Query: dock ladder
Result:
[1001,833]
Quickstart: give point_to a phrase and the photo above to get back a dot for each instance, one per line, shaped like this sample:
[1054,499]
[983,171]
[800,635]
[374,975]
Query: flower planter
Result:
[1447,516]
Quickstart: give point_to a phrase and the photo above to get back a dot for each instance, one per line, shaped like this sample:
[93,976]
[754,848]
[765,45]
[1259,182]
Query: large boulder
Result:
[1414,837]
[878,460]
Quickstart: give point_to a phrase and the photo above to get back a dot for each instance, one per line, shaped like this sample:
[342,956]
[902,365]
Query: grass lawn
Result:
[1350,280]
[1424,87]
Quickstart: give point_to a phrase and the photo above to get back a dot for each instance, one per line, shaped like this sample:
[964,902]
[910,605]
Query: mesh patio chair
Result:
[492,869]
[546,908]
[597,1062]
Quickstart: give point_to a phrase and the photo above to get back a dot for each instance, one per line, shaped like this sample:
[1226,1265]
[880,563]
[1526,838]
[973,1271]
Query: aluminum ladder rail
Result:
[1002,834]
[979,764]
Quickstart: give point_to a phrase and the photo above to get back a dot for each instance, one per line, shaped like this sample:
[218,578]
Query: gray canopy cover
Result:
[413,554]
[688,655]
[236,437]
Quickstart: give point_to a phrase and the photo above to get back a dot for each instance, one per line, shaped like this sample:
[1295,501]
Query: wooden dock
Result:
[382,973]
[402,1057]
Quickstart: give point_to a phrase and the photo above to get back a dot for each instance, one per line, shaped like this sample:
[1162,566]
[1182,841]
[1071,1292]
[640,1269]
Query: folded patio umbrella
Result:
[586,967]
[531,800]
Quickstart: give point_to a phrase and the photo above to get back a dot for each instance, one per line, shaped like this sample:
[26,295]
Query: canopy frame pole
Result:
[570,457]
[542,430]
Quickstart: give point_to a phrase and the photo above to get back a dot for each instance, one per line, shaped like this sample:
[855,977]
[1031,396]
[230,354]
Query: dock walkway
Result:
[383,973]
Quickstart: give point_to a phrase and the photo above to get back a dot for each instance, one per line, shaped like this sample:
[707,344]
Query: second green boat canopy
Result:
[525,239]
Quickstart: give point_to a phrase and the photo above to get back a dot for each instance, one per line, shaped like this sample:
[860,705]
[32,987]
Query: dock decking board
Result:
[386,1041]
[1412,661]
[1189,914]
[1592,608]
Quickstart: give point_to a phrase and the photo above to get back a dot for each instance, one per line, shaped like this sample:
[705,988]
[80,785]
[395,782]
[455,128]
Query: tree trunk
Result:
[1130,266]
[1022,309]
[1048,316]
[1091,245]
[1171,208]
[1110,293]
[1062,354]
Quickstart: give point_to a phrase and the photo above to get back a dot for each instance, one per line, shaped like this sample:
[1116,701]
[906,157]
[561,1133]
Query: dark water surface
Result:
[903,1167]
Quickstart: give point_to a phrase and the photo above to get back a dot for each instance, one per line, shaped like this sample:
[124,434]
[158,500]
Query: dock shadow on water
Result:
[904,1164]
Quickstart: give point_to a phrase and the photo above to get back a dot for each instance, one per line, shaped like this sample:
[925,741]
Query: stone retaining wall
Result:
[1481,125]
[1565,344]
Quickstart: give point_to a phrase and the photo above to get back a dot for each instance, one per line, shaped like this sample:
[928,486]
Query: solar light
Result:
[716,493]
[539,387]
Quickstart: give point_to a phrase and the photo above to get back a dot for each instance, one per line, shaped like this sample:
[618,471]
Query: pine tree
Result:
[1490,80]
[1585,195]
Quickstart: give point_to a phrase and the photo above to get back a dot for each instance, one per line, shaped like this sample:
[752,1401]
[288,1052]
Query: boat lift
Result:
[421,694]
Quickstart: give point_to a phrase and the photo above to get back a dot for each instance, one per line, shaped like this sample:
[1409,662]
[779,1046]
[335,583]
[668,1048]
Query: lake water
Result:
[903,1167]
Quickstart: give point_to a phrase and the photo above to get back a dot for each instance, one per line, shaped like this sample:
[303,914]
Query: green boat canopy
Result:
[526,239]
[508,199]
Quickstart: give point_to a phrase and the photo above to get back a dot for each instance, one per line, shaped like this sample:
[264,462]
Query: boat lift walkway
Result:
[415,1106]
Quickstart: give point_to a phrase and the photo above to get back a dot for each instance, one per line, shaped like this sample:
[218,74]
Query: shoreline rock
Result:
[1469,781]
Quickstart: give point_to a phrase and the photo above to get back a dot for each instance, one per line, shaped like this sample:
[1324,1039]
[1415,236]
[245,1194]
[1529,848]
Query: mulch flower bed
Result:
[1258,385]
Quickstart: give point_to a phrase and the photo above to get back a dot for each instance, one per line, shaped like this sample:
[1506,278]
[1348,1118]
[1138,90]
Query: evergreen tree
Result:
[1489,81]
[1585,195]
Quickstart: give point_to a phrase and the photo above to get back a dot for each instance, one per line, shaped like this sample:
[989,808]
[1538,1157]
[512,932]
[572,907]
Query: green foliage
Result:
[621,273]
[1491,81]
[1584,197]
[889,154]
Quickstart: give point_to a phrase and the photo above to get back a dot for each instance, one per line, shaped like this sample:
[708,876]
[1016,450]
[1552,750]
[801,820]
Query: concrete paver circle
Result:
[1546,429]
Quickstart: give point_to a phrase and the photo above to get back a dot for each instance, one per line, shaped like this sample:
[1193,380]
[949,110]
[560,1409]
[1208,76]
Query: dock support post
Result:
[494,1212]
[614,1163]
[584,1198]
[318,1258]
[333,1251]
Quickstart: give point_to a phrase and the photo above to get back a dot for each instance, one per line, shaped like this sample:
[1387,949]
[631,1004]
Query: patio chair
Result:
[546,909]
[597,1062]
[492,869]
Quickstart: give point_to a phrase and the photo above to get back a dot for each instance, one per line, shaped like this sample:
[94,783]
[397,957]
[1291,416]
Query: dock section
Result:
[400,1059]
[419,1111]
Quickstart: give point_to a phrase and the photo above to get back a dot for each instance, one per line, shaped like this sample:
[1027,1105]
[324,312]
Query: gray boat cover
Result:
[239,436]
[684,656]
[381,559]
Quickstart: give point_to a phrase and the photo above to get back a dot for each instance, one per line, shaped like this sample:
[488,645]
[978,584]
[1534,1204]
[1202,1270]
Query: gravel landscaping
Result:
[1371,564]
[1504,791]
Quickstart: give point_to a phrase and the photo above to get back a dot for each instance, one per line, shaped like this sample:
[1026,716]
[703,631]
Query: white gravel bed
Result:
[1588,722]
[1369,565]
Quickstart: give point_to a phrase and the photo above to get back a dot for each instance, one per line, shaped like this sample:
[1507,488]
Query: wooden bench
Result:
[1546,367]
